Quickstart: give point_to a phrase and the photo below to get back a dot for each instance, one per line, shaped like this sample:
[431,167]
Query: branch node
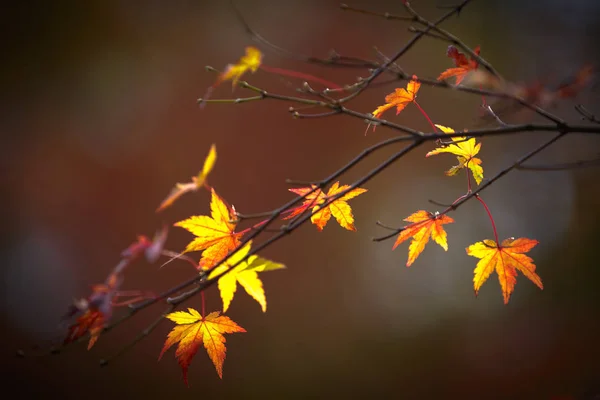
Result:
[285,229]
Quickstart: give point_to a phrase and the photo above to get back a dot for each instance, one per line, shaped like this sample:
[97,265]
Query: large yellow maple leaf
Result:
[424,225]
[505,259]
[340,209]
[246,274]
[215,235]
[193,329]
[465,151]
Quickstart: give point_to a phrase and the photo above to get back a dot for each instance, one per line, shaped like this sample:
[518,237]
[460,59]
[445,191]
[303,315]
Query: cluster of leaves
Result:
[217,239]
[505,258]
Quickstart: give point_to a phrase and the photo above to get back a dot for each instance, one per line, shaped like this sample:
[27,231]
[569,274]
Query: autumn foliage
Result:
[423,226]
[315,199]
[222,248]
[193,330]
[504,259]
[462,65]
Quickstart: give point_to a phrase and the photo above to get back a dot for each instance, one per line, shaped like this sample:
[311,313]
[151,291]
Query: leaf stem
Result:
[301,75]
[426,116]
[487,210]
[255,226]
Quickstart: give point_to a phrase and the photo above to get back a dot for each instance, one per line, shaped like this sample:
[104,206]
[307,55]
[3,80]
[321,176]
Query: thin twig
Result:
[586,114]
[143,334]
[560,167]
[385,15]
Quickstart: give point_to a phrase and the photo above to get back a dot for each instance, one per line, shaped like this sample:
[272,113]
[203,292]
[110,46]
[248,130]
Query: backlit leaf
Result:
[399,98]
[197,181]
[249,62]
[340,209]
[465,151]
[506,260]
[423,226]
[192,330]
[246,274]
[215,235]
[463,65]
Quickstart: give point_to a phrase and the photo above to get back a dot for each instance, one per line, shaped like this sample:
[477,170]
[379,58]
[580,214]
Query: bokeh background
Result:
[99,120]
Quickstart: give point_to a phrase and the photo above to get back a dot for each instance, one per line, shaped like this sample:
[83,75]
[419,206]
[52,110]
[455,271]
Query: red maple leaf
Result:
[463,65]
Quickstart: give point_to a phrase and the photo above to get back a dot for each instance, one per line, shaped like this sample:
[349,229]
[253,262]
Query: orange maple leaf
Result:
[215,234]
[193,329]
[505,259]
[463,65]
[424,225]
[339,208]
[399,98]
[197,181]
[249,62]
[465,151]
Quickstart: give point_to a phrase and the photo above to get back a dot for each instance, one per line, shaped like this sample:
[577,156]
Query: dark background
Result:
[99,120]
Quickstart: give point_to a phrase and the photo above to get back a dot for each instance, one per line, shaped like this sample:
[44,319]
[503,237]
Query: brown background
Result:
[100,119]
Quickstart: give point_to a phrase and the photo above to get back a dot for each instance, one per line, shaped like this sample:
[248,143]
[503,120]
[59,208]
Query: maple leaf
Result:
[94,311]
[197,181]
[340,209]
[151,249]
[399,98]
[91,321]
[193,329]
[214,235]
[505,259]
[246,274]
[463,65]
[249,62]
[424,225]
[465,151]
[572,86]
[311,199]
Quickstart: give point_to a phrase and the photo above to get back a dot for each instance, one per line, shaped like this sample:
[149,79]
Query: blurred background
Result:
[99,120]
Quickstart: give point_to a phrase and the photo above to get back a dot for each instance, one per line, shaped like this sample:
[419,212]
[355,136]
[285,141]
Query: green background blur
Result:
[99,120]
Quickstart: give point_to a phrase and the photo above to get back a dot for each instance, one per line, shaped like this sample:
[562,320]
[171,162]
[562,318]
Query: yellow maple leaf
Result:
[465,151]
[215,235]
[193,329]
[249,62]
[505,259]
[246,274]
[197,181]
[340,209]
[424,225]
